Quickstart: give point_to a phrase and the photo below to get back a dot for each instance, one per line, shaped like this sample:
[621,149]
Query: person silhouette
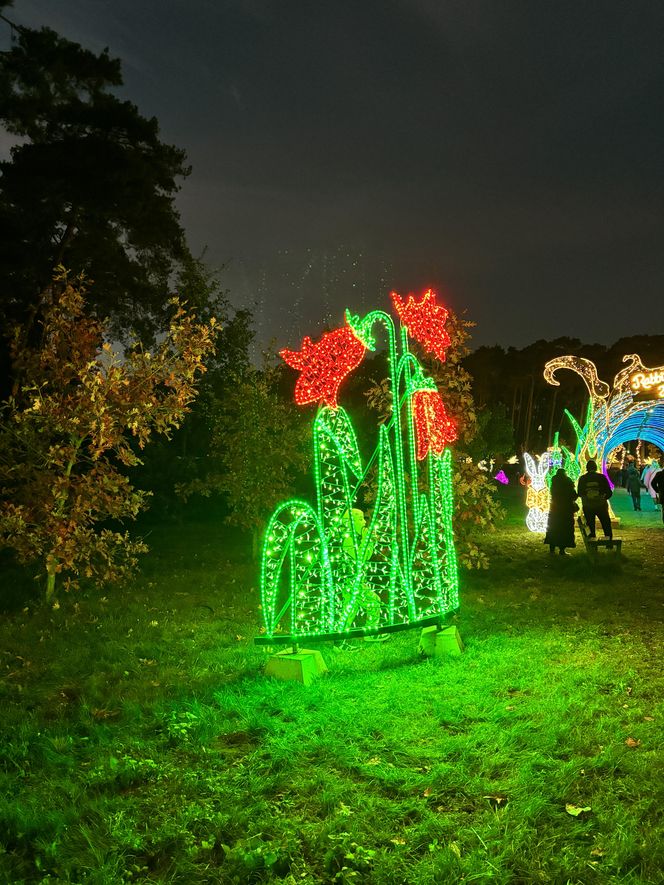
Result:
[657,483]
[633,486]
[560,525]
[595,491]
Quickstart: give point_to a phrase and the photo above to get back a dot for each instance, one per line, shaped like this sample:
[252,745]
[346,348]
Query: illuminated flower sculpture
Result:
[433,429]
[323,366]
[324,572]
[425,321]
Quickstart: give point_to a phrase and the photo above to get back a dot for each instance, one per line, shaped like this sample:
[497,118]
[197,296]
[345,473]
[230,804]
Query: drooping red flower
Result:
[433,428]
[425,321]
[324,365]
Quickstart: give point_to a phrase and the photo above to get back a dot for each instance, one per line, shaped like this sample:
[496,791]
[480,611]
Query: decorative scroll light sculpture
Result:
[327,571]
[633,409]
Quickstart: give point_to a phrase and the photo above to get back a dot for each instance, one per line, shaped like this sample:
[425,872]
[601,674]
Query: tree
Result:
[89,185]
[494,436]
[81,418]
[260,446]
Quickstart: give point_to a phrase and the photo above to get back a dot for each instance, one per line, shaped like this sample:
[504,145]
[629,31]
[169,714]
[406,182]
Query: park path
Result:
[647,517]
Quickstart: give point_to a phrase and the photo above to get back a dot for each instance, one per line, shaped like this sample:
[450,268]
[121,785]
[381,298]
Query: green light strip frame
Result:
[311,588]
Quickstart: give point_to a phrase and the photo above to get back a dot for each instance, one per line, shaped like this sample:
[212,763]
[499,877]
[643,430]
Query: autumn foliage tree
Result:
[79,418]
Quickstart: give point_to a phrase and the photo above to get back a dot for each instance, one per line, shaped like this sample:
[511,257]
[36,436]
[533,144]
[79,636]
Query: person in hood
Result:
[560,526]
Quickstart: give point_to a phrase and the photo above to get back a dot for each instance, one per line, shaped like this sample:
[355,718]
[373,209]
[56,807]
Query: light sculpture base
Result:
[435,642]
[303,665]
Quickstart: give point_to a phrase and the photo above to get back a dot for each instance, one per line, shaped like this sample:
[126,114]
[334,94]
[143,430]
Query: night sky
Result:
[509,154]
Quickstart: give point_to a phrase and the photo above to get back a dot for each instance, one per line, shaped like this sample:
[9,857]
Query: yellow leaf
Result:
[576,810]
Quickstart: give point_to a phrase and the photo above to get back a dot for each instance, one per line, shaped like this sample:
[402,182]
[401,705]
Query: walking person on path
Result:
[633,486]
[560,526]
[595,491]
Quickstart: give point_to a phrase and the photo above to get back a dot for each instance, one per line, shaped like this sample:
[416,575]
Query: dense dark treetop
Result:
[89,186]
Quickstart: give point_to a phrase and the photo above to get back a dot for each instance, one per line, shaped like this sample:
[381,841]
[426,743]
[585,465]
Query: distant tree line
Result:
[510,382]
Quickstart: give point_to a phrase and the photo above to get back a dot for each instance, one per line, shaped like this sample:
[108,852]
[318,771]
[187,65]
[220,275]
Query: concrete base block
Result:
[436,642]
[303,666]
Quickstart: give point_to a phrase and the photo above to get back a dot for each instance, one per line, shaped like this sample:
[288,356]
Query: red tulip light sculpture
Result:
[328,571]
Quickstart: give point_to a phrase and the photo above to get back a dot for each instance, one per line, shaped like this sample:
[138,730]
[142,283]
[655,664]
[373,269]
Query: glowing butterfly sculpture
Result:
[633,409]
[324,572]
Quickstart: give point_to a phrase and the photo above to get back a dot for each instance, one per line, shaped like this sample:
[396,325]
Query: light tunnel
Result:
[645,424]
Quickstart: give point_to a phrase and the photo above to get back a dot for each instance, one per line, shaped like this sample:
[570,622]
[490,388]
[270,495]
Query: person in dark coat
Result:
[560,526]
[657,483]
[633,486]
[595,491]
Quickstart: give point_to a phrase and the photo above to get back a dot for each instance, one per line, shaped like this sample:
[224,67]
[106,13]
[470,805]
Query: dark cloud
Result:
[508,153]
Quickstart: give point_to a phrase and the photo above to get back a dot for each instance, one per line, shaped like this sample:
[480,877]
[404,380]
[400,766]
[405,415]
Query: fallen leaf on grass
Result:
[576,810]
[375,760]
[496,800]
[427,792]
[597,852]
[648,718]
[632,742]
[398,840]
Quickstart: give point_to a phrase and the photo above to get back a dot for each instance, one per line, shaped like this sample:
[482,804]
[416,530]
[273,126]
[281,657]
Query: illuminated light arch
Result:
[631,409]
[325,574]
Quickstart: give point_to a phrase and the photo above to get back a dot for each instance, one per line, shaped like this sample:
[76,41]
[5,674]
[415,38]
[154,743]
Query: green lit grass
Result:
[140,741]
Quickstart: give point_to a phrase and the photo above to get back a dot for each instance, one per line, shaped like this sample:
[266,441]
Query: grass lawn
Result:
[140,741]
